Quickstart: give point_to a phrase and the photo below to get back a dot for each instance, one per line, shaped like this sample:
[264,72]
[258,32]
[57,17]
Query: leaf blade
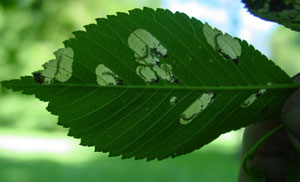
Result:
[135,118]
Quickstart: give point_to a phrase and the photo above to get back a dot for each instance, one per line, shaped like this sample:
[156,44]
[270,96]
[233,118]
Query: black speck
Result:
[155,52]
[119,81]
[156,80]
[213,94]
[38,77]
[176,100]
[165,56]
[236,61]
[258,94]
[153,81]
[176,80]
[223,54]
[152,65]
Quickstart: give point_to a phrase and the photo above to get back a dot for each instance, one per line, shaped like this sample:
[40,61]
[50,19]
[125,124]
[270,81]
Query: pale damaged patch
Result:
[106,77]
[148,51]
[210,35]
[146,46]
[59,69]
[173,100]
[197,107]
[226,45]
[252,98]
[164,71]
[146,74]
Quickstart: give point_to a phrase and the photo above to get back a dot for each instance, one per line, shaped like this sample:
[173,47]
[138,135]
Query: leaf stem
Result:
[250,154]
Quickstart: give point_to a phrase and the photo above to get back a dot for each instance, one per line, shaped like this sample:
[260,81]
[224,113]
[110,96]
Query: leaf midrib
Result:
[237,88]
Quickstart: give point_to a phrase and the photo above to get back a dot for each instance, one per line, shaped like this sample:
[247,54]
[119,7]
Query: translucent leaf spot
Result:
[250,100]
[197,107]
[173,100]
[65,61]
[106,77]
[148,50]
[146,46]
[229,46]
[146,74]
[210,35]
[57,69]
[226,45]
[164,71]
[49,72]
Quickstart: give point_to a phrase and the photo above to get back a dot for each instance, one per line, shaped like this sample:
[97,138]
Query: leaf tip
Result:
[3,83]
[8,83]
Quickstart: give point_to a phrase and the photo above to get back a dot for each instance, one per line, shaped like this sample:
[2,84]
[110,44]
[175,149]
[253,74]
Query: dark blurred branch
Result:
[285,12]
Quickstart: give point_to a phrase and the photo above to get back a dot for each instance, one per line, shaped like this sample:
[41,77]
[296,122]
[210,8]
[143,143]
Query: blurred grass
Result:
[200,166]
[78,164]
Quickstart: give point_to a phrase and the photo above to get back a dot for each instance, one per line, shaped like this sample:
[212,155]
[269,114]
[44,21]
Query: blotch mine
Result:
[65,62]
[146,74]
[148,52]
[210,35]
[224,44]
[229,46]
[197,107]
[173,100]
[106,77]
[59,69]
[164,71]
[253,97]
[147,48]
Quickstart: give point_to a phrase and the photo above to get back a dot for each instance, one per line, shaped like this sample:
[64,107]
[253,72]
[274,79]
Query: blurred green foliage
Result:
[285,45]
[204,166]
[32,29]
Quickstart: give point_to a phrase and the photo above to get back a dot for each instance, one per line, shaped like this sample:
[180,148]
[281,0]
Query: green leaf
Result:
[285,12]
[153,84]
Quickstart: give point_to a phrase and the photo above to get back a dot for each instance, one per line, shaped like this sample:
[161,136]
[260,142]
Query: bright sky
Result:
[229,16]
[29,144]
